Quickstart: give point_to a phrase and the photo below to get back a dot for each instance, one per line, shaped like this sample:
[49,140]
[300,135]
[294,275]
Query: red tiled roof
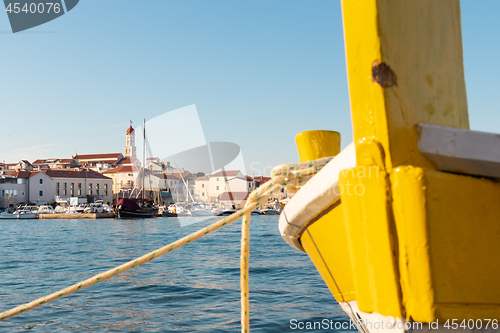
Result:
[130,129]
[27,162]
[20,174]
[101,157]
[124,168]
[74,174]
[229,173]
[32,173]
[66,160]
[128,160]
[101,161]
[249,178]
[234,196]
[261,180]
[39,161]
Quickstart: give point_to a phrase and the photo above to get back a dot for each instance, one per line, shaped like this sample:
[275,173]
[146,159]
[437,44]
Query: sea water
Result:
[192,289]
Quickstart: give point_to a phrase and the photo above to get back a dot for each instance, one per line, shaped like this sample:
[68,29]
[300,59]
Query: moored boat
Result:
[271,211]
[231,211]
[199,210]
[135,208]
[20,214]
[174,210]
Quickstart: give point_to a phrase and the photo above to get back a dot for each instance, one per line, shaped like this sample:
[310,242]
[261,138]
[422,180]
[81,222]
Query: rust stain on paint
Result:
[383,75]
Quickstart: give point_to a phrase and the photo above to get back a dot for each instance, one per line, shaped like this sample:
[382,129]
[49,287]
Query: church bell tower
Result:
[130,150]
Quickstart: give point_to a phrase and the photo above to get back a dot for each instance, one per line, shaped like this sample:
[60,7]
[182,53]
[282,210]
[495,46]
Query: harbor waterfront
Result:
[191,289]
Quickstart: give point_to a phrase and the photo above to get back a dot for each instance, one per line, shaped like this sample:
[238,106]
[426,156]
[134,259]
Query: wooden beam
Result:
[405,66]
[461,151]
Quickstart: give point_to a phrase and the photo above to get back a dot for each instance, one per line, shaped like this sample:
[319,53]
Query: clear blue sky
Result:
[258,71]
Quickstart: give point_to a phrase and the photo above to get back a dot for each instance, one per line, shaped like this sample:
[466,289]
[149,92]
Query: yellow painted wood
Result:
[371,237]
[448,229]
[423,244]
[423,80]
[317,144]
[333,260]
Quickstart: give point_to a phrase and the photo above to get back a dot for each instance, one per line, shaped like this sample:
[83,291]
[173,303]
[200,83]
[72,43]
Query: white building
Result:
[80,183]
[213,186]
[13,190]
[40,188]
[123,178]
[25,187]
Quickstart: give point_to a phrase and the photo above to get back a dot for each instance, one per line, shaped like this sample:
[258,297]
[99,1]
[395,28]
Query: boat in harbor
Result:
[20,214]
[274,209]
[199,210]
[402,224]
[271,211]
[45,209]
[135,208]
[228,212]
[174,210]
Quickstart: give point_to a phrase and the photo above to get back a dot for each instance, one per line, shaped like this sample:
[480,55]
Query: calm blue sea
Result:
[192,289]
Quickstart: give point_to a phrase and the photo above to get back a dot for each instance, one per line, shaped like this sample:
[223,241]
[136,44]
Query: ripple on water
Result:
[195,288]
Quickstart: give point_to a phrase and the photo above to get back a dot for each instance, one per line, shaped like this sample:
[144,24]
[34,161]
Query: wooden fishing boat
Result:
[134,208]
[403,223]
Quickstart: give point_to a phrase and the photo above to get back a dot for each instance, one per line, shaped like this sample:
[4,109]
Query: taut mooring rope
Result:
[281,177]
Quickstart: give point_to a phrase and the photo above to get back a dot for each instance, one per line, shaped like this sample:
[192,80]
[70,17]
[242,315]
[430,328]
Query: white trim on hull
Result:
[18,216]
[377,323]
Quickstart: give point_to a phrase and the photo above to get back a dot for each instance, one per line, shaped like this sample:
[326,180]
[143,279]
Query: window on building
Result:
[90,192]
[57,191]
[65,185]
[217,188]
[72,192]
[105,186]
[105,192]
[79,192]
[3,193]
[64,192]
[79,185]
[97,186]
[41,181]
[249,184]
[217,179]
[203,194]
[57,185]
[90,185]
[225,179]
[96,192]
[22,194]
[202,185]
[72,185]
[40,193]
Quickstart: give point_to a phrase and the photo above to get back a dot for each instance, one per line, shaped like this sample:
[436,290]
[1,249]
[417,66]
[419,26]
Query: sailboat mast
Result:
[143,158]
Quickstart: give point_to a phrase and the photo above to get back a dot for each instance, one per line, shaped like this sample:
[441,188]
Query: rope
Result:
[281,177]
